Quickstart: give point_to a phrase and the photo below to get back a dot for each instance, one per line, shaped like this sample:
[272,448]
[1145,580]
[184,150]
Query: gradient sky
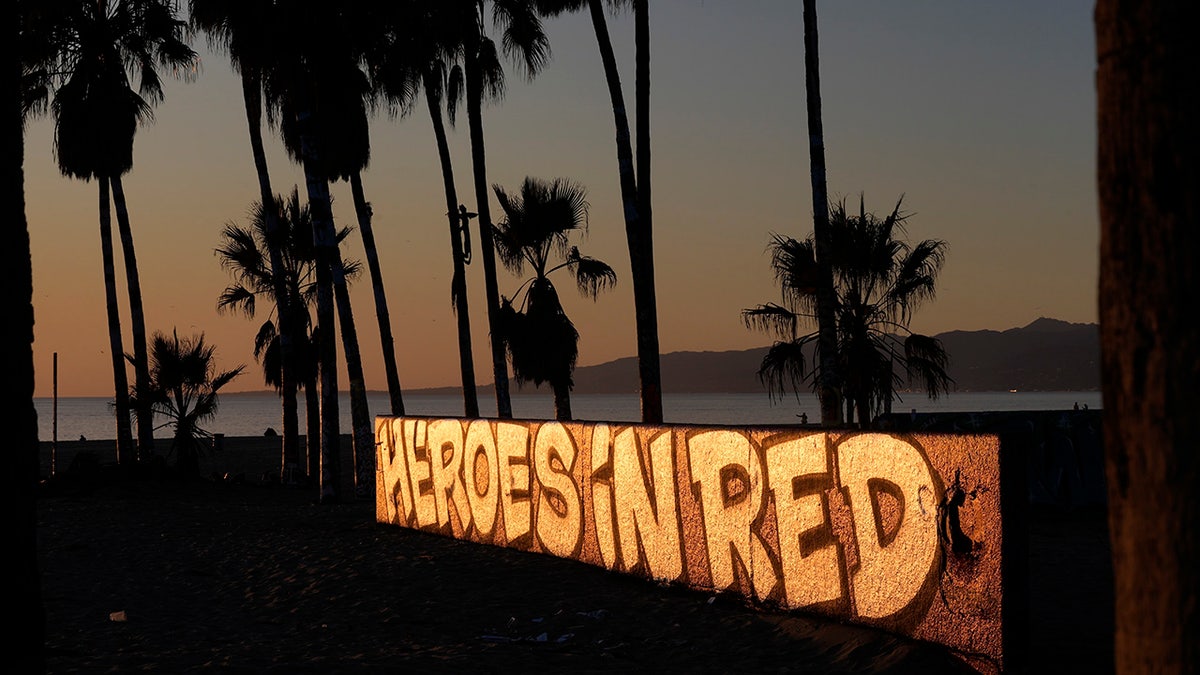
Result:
[981,114]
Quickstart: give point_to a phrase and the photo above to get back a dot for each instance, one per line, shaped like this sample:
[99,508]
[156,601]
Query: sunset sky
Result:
[981,114]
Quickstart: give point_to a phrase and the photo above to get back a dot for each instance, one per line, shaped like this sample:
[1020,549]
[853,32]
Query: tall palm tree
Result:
[483,76]
[1149,151]
[306,87]
[415,62]
[244,29]
[634,184]
[880,282]
[539,336]
[184,383]
[97,113]
[341,124]
[829,386]
[287,229]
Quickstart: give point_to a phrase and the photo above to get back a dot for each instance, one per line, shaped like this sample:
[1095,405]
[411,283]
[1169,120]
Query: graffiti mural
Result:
[902,532]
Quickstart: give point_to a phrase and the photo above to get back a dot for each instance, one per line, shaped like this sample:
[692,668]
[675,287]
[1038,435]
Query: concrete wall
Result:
[903,532]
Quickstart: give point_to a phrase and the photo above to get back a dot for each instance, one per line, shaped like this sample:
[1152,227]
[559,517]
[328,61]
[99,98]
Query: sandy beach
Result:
[156,575]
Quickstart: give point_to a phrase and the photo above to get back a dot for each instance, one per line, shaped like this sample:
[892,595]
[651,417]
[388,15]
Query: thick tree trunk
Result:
[645,296]
[828,382]
[458,284]
[125,450]
[137,323]
[362,465]
[289,464]
[486,244]
[1149,187]
[363,210]
[18,416]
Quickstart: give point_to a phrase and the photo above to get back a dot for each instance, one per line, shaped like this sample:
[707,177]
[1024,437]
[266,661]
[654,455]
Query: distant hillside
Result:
[1046,355]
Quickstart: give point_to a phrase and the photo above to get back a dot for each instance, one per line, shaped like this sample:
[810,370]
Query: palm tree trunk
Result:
[325,243]
[475,119]
[636,232]
[828,383]
[125,451]
[645,297]
[137,322]
[562,401]
[363,210]
[312,421]
[19,416]
[252,96]
[1148,169]
[362,464]
[458,284]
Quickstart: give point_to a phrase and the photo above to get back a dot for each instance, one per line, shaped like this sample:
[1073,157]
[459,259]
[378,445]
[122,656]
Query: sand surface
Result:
[154,575]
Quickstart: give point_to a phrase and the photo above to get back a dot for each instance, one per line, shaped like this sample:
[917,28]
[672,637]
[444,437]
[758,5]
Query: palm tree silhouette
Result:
[184,384]
[830,384]
[287,229]
[634,184]
[308,86]
[540,339]
[880,281]
[415,61]
[244,29]
[483,76]
[96,46]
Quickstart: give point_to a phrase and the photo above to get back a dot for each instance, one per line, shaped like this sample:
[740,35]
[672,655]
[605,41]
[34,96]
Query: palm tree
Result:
[97,113]
[880,282]
[287,229]
[19,416]
[184,383]
[305,87]
[1146,60]
[522,36]
[635,185]
[539,337]
[416,62]
[830,384]
[244,29]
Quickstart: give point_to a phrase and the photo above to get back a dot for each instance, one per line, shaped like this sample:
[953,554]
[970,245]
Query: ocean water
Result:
[251,414]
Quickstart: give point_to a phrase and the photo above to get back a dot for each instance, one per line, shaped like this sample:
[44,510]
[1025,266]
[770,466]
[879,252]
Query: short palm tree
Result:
[880,281]
[539,337]
[184,383]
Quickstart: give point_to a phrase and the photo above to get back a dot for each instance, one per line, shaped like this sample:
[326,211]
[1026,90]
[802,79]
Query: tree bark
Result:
[137,323]
[363,210]
[458,284]
[125,450]
[19,416]
[252,96]
[1149,175]
[645,296]
[828,382]
[486,244]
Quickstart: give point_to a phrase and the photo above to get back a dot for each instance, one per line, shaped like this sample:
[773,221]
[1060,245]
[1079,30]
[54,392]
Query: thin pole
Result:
[54,437]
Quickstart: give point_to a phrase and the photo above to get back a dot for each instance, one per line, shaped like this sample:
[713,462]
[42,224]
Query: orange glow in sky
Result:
[980,114]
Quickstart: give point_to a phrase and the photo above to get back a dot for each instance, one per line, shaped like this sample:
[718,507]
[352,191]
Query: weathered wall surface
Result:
[897,531]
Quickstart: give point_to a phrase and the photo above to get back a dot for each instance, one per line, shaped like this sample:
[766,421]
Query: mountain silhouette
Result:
[1046,355]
